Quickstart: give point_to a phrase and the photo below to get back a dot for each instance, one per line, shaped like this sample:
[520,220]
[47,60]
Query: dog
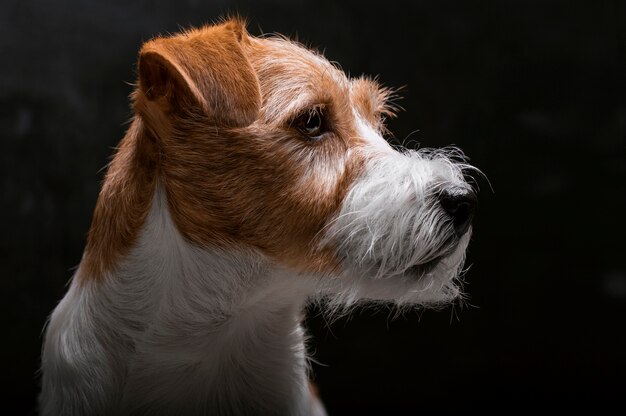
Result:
[253,178]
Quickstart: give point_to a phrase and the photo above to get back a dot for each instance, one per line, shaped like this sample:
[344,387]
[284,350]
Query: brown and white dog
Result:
[253,178]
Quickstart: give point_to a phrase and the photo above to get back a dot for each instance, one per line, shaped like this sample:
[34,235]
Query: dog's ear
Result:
[205,69]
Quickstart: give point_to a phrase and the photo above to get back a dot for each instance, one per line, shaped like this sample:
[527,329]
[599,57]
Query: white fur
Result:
[372,137]
[179,330]
[390,221]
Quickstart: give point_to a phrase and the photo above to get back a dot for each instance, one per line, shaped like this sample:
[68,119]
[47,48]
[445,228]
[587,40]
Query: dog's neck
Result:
[178,325]
[227,322]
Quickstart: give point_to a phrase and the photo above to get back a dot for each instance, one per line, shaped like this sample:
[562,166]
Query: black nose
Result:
[459,203]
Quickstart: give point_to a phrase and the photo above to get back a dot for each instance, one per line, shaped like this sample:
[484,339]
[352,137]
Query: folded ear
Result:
[205,69]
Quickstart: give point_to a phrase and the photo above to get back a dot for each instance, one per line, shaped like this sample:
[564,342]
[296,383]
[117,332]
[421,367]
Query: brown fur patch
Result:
[213,127]
[123,203]
[373,102]
[204,68]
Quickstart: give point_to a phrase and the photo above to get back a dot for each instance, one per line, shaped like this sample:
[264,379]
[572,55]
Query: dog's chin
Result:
[432,283]
[420,270]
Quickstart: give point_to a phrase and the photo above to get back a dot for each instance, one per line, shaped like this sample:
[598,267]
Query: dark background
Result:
[533,91]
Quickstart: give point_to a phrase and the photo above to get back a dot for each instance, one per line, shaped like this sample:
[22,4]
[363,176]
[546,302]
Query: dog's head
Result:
[263,143]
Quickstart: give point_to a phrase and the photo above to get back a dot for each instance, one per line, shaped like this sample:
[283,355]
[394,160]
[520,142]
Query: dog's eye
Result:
[311,124]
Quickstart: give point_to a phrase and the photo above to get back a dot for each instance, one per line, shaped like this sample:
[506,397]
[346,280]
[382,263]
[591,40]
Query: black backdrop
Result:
[533,91]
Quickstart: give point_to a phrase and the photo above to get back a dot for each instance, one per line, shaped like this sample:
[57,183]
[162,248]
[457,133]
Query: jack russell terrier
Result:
[254,177]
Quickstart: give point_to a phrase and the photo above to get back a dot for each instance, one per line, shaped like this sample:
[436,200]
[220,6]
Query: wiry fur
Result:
[391,221]
[218,221]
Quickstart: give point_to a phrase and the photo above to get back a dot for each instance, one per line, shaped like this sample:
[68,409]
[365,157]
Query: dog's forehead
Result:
[280,56]
[292,76]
